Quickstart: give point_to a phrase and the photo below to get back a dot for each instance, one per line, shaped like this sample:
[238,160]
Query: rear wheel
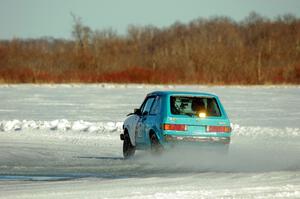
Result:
[128,148]
[156,147]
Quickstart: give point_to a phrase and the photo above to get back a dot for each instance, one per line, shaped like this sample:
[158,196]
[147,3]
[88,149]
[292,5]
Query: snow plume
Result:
[241,157]
[252,149]
[60,125]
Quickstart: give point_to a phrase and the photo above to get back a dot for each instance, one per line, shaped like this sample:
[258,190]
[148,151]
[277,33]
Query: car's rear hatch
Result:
[196,115]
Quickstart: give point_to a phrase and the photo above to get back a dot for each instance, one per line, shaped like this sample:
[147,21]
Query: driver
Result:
[198,105]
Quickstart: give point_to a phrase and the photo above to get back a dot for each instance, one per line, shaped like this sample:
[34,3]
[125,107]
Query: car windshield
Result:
[186,105]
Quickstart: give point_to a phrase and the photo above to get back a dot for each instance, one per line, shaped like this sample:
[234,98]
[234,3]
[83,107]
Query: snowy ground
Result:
[62,141]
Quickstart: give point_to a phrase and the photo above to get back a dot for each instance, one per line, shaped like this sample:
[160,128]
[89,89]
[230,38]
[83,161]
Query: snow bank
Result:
[60,125]
[85,126]
[250,131]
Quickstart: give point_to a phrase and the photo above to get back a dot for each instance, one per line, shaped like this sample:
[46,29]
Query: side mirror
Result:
[137,111]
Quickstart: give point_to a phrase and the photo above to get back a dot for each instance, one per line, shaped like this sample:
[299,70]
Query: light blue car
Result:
[169,118]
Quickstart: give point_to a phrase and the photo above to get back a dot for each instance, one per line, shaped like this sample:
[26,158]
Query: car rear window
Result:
[186,105]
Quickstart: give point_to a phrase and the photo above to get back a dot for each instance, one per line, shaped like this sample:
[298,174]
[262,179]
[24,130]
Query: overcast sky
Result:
[38,18]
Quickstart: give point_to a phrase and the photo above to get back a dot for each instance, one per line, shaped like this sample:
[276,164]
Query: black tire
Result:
[128,148]
[156,147]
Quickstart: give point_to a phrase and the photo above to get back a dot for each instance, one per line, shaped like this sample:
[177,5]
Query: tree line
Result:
[217,50]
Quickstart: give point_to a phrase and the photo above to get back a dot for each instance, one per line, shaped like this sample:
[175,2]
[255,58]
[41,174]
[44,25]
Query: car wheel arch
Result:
[151,132]
[126,131]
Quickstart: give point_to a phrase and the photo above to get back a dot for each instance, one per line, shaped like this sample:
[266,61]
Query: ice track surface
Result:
[62,141]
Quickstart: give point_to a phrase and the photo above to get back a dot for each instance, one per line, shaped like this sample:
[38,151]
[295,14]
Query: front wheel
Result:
[128,148]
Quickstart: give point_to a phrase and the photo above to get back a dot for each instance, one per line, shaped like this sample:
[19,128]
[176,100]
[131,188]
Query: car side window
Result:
[156,106]
[147,105]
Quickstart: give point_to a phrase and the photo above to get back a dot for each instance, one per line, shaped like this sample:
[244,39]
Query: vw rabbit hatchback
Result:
[169,118]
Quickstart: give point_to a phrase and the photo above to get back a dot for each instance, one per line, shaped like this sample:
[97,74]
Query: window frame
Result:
[157,99]
[144,103]
[207,97]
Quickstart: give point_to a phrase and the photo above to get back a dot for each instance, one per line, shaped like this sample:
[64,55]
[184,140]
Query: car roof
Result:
[183,93]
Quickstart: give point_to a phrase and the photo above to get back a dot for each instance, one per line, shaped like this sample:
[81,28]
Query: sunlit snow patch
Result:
[60,125]
[85,126]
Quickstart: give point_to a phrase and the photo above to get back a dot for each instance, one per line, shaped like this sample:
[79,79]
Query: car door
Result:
[142,123]
[153,120]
